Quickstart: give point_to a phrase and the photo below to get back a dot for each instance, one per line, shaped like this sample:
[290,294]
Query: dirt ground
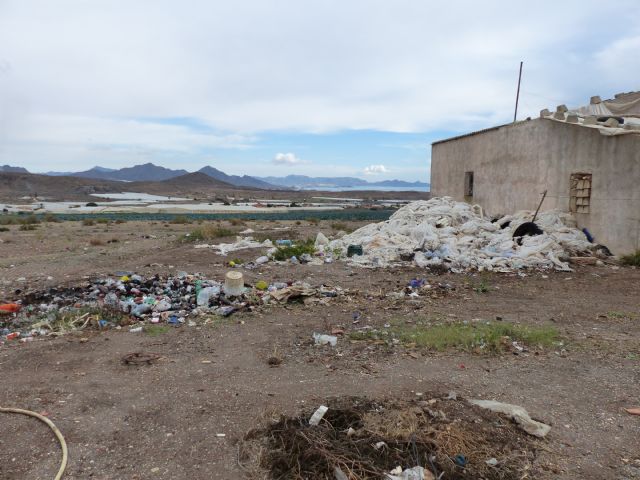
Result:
[166,420]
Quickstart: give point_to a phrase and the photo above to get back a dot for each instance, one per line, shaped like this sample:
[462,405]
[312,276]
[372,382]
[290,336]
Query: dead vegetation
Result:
[366,439]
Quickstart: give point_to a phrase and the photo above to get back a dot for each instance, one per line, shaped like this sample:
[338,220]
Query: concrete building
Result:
[588,162]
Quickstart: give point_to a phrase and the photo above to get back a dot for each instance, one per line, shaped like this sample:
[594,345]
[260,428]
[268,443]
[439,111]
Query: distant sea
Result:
[370,188]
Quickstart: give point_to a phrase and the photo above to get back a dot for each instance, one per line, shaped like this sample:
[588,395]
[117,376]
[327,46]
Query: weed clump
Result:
[489,337]
[207,232]
[285,252]
[632,259]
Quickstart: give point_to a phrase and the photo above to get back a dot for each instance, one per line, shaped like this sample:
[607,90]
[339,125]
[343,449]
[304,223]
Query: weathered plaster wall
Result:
[514,164]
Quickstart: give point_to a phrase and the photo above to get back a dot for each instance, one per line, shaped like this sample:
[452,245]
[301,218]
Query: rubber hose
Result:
[57,433]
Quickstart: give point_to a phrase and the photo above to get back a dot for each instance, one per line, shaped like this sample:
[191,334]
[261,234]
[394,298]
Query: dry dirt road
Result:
[162,421]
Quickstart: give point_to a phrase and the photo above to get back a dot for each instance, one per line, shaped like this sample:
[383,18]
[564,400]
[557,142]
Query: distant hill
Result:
[17,185]
[9,168]
[239,181]
[196,180]
[147,172]
[152,173]
[95,172]
[303,181]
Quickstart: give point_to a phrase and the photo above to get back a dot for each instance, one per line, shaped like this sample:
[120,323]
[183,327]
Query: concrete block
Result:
[562,108]
[558,115]
[595,100]
[590,120]
[572,118]
[629,126]
[544,113]
[611,123]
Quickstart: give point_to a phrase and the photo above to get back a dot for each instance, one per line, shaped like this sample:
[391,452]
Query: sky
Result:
[276,87]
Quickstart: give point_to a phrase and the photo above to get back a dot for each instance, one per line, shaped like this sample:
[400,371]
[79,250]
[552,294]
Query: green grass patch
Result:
[633,259]
[492,337]
[299,248]
[207,232]
[155,330]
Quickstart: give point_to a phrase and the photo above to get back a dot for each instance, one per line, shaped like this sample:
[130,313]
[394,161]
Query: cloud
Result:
[229,64]
[287,159]
[375,170]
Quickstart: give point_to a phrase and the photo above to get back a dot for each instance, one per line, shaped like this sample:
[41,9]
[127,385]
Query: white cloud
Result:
[375,170]
[373,66]
[287,159]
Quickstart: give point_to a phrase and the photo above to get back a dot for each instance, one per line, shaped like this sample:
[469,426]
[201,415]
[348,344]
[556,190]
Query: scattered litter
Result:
[240,244]
[321,339]
[321,239]
[317,415]
[460,460]
[415,473]
[234,283]
[454,235]
[517,414]
[633,411]
[138,358]
[9,308]
[492,462]
[135,330]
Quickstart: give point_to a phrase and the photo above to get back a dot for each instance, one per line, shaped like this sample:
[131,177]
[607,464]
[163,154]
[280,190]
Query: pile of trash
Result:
[134,300]
[455,235]
[433,437]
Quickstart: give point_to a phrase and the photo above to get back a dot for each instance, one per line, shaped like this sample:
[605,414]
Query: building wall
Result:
[512,165]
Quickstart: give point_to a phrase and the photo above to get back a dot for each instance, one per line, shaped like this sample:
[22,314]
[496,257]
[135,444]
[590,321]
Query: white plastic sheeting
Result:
[240,244]
[442,231]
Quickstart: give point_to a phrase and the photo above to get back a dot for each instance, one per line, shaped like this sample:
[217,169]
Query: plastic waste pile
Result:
[321,255]
[441,232]
[134,300]
[240,244]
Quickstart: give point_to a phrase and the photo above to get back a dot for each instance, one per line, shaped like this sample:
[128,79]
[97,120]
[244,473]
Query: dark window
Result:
[468,184]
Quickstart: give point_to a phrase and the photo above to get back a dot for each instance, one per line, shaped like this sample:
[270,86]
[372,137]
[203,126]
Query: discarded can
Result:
[354,250]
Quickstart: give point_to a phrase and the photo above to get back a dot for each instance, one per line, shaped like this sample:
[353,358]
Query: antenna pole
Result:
[515,114]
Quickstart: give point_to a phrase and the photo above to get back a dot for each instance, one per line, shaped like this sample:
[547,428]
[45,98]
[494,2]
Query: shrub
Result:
[96,242]
[88,222]
[28,226]
[300,248]
[51,218]
[181,219]
[208,232]
[633,259]
[29,220]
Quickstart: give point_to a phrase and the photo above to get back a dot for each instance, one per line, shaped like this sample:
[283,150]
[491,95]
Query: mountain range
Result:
[303,181]
[149,172]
